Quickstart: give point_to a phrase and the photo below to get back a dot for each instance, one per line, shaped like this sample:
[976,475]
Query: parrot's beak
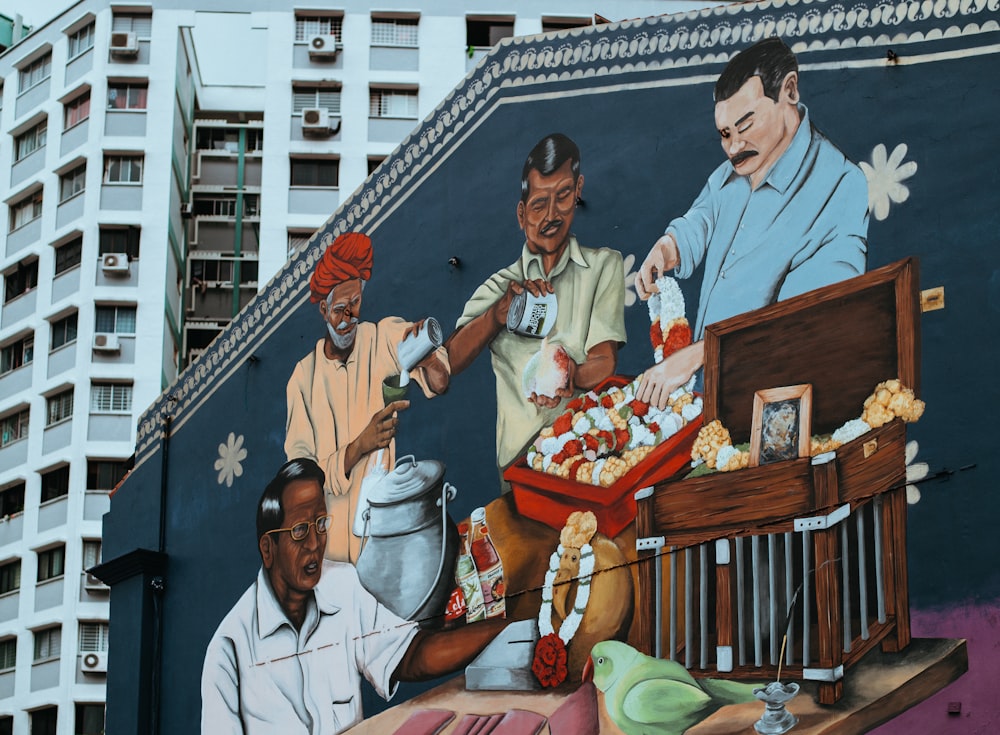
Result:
[588,670]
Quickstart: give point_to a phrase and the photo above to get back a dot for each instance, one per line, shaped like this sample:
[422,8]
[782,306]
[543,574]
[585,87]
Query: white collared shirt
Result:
[262,676]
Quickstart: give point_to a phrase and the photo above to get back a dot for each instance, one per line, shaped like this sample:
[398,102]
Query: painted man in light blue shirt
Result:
[787,213]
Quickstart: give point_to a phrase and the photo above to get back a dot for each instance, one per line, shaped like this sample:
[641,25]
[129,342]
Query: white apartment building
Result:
[141,207]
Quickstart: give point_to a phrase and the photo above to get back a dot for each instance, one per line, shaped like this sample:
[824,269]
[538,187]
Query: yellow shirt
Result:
[329,404]
[590,287]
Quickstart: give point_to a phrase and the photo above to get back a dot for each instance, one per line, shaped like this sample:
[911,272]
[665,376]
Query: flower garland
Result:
[669,329]
[549,664]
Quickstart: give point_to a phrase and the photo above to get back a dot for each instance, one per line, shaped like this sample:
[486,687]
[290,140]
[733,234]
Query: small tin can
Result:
[532,316]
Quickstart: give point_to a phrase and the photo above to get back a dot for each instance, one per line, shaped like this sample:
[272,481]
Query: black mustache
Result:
[742,156]
[552,227]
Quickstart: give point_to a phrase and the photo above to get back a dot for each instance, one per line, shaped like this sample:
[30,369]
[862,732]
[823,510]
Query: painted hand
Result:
[663,379]
[662,257]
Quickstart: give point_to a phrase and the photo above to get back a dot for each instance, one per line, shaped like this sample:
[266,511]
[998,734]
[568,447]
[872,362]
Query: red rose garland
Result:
[549,664]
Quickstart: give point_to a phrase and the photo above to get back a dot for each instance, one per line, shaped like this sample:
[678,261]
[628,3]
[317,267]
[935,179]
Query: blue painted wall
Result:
[648,142]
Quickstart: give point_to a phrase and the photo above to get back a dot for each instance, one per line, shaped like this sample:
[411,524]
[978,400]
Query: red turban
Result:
[347,257]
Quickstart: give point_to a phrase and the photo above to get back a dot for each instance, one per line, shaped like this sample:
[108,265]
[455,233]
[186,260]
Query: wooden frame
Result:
[770,416]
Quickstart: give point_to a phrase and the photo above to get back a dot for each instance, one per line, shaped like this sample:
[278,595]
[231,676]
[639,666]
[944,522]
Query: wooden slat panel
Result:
[717,504]
[828,594]
[897,591]
[862,477]
[646,592]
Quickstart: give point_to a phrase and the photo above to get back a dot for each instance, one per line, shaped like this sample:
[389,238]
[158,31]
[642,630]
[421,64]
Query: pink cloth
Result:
[519,722]
[426,722]
[577,715]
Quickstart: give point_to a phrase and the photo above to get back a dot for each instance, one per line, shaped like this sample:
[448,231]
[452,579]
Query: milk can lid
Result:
[408,479]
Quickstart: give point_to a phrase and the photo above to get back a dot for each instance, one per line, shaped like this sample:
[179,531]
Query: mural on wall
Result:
[685,472]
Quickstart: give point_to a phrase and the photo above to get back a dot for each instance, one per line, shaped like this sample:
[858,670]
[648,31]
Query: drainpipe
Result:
[238,245]
[157,584]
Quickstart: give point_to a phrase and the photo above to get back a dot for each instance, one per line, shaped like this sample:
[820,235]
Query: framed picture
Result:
[782,423]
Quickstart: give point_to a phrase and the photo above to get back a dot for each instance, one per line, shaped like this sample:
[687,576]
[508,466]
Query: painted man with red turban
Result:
[336,414]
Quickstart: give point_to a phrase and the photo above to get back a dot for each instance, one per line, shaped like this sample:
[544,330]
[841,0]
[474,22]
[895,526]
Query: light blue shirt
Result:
[805,226]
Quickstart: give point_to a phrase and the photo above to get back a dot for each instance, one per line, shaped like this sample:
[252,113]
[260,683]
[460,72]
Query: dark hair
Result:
[547,156]
[271,509]
[770,59]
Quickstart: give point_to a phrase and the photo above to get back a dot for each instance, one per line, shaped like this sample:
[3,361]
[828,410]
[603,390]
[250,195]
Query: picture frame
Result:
[782,424]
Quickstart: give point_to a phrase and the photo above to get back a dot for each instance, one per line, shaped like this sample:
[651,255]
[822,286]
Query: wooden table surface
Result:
[880,687]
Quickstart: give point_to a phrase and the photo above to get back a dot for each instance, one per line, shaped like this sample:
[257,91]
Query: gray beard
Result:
[342,341]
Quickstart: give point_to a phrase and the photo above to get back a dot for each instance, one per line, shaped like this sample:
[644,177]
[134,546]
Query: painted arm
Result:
[466,342]
[220,690]
[436,653]
[841,237]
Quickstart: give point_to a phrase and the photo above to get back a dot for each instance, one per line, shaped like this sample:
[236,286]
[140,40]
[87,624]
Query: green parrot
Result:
[650,696]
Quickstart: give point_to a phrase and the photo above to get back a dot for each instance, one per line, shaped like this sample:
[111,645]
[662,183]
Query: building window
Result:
[562,24]
[30,140]
[374,162]
[17,354]
[297,241]
[8,652]
[55,483]
[115,319]
[120,240]
[89,719]
[73,182]
[14,427]
[43,721]
[35,73]
[51,563]
[307,97]
[12,500]
[315,172]
[110,397]
[105,474]
[130,96]
[81,41]
[392,103]
[63,331]
[93,637]
[91,554]
[141,24]
[76,110]
[394,32]
[6,724]
[123,169]
[228,139]
[59,407]
[308,26]
[69,254]
[10,578]
[20,280]
[486,32]
[27,210]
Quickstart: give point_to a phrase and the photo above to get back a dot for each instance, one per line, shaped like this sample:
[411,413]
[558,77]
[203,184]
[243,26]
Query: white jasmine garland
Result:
[572,622]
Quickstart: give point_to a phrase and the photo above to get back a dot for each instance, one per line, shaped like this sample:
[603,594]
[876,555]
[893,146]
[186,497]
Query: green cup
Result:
[392,390]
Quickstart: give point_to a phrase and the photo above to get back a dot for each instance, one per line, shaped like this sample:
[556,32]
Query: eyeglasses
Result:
[300,530]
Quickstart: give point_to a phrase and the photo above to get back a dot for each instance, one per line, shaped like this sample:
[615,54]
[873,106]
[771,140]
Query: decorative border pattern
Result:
[683,42]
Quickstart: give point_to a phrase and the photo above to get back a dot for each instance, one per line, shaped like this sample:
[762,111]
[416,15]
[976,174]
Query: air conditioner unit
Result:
[124,43]
[90,582]
[116,263]
[104,342]
[316,121]
[325,47]
[94,662]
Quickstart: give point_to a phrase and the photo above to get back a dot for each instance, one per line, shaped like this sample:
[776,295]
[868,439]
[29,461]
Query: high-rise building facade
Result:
[142,205]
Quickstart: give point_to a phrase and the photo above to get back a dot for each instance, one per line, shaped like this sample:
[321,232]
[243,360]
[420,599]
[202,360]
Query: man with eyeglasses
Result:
[290,654]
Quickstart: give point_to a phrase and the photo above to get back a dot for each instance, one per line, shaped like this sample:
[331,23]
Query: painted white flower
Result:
[231,454]
[885,175]
[630,295]
[915,472]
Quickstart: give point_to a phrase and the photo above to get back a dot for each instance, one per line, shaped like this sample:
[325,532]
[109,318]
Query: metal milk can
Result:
[409,546]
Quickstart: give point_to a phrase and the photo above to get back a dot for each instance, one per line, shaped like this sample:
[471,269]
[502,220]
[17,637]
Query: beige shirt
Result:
[590,287]
[330,403]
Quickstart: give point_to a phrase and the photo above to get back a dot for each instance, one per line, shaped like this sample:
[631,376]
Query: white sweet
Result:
[691,411]
[725,454]
[851,430]
[550,446]
[583,425]
[595,475]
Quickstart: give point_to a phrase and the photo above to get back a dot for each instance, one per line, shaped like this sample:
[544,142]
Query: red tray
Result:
[551,499]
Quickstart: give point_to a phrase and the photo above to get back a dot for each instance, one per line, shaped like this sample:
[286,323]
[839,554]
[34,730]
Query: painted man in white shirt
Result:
[290,654]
